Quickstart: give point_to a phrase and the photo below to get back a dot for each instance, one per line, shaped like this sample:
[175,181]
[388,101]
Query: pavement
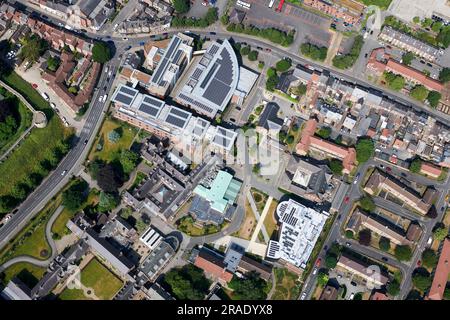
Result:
[67,167]
[50,241]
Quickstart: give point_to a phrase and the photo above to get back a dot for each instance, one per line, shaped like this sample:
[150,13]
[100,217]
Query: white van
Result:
[45,96]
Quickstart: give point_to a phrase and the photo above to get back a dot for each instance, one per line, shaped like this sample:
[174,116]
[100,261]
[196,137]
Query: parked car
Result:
[384,259]
[303,296]
[64,172]
[346,199]
[348,244]
[318,262]
[53,105]
[314,271]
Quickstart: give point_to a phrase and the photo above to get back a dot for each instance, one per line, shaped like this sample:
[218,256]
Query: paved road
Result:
[68,166]
[51,242]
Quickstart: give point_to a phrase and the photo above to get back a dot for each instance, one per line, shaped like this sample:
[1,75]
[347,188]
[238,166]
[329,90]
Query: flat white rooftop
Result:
[300,229]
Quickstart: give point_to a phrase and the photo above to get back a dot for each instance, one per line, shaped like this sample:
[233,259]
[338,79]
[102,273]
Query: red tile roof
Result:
[441,273]
[210,264]
[429,169]
[379,296]
[414,74]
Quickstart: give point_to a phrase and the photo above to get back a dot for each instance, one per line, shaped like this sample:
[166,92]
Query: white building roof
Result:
[300,229]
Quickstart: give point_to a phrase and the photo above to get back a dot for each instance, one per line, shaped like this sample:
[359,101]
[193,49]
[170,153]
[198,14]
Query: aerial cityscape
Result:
[224,150]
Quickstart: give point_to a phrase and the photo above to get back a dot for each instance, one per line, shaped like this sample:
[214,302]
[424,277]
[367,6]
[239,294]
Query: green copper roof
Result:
[223,191]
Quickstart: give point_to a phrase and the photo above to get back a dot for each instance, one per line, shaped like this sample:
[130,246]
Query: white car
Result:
[64,172]
[303,296]
[314,271]
[7,218]
[351,296]
[100,99]
[104,98]
[53,105]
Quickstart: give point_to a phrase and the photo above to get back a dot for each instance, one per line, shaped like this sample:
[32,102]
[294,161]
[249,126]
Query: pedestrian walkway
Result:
[258,218]
[260,224]
[334,47]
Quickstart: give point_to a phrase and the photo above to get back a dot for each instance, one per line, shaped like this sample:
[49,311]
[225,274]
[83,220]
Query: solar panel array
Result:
[216,92]
[166,59]
[125,95]
[197,73]
[177,117]
[196,103]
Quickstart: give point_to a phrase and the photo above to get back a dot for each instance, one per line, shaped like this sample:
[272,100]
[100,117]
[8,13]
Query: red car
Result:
[35,85]
[388,169]
[419,263]
[346,199]
[318,262]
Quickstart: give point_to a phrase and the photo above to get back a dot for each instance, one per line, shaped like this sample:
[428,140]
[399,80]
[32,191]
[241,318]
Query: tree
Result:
[107,201]
[364,149]
[421,280]
[367,204]
[415,166]
[53,63]
[109,179]
[336,166]
[433,98]
[314,52]
[187,282]
[253,55]
[261,64]
[384,244]
[129,160]
[324,132]
[245,50]
[272,83]
[225,19]
[447,294]
[75,195]
[349,234]
[358,296]
[114,135]
[252,287]
[365,237]
[271,72]
[330,261]
[101,52]
[440,233]
[419,92]
[322,279]
[444,75]
[429,258]
[393,288]
[345,61]
[181,6]
[33,48]
[408,57]
[416,19]
[394,81]
[299,90]
[283,65]
[437,26]
[403,252]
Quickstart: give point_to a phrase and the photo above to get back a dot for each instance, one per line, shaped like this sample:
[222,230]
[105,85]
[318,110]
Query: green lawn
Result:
[383,4]
[31,239]
[111,150]
[31,161]
[73,294]
[26,272]
[104,283]
[286,287]
[26,118]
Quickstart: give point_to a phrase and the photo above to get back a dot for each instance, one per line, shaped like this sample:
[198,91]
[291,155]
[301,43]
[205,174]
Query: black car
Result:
[442,209]
[365,56]
[212,33]
[85,142]
[403,174]
[384,259]
[353,283]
